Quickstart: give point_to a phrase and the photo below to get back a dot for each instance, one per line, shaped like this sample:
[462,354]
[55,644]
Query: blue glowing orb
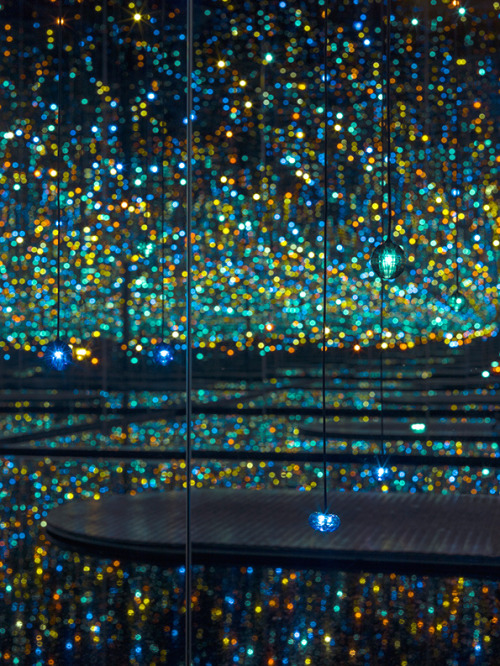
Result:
[388,260]
[58,355]
[162,353]
[382,473]
[324,522]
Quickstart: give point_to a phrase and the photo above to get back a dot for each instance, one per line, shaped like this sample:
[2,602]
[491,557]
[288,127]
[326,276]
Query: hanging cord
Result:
[383,140]
[386,129]
[381,375]
[162,231]
[388,116]
[455,171]
[148,148]
[59,166]
[325,251]
[189,370]
[21,159]
[162,218]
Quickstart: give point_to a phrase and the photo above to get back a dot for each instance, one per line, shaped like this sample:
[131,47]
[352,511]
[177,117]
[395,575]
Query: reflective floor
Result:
[59,607]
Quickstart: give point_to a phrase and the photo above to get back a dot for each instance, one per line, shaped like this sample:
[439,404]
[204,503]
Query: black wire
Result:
[59,166]
[388,115]
[389,213]
[162,237]
[325,250]
[21,159]
[148,145]
[455,53]
[381,361]
[382,118]
[189,369]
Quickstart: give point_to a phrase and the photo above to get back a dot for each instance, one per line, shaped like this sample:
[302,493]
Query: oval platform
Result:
[427,533]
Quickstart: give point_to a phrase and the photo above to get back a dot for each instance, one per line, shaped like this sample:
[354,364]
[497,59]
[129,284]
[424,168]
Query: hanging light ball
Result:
[58,355]
[162,353]
[324,522]
[457,301]
[145,248]
[388,260]
[382,473]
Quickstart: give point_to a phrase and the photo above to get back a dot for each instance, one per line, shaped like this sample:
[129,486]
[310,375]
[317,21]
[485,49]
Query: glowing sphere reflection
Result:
[388,260]
[162,354]
[324,522]
[58,355]
[457,301]
[145,248]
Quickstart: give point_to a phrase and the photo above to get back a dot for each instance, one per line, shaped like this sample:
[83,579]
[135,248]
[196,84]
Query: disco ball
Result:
[162,353]
[58,354]
[388,260]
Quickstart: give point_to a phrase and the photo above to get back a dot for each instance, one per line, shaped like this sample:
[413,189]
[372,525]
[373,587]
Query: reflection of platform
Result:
[412,532]
[435,429]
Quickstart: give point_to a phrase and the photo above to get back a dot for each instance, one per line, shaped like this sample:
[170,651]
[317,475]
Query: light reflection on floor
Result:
[59,607]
